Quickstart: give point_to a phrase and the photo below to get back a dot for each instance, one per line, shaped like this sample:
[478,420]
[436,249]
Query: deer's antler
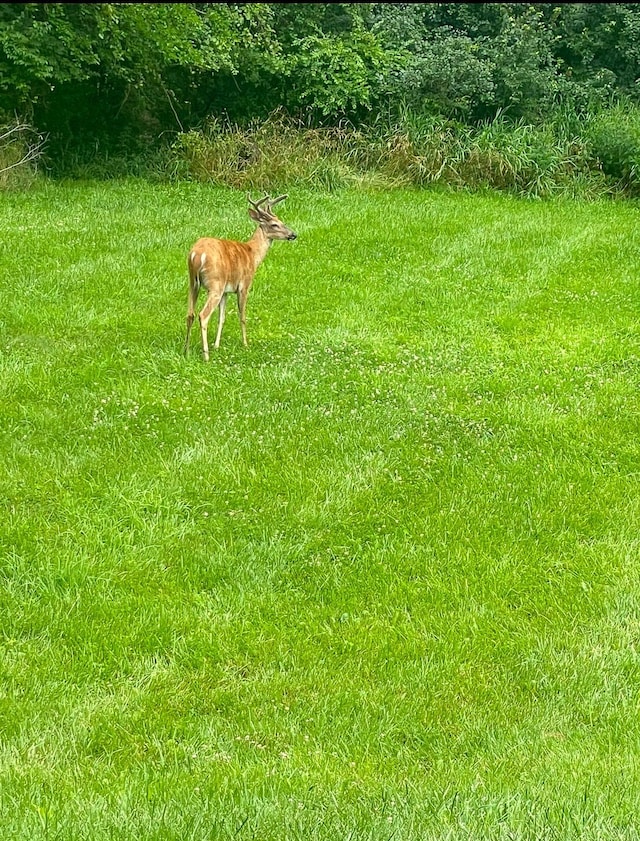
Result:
[272,202]
[256,204]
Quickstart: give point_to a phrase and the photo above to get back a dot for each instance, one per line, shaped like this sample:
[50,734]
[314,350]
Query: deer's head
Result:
[261,212]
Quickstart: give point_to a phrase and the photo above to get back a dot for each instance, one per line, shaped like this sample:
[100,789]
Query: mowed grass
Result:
[375,576]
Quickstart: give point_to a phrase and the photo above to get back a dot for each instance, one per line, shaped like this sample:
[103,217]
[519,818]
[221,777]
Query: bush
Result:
[523,158]
[614,136]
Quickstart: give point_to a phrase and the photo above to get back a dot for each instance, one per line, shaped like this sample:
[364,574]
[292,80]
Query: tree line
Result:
[132,75]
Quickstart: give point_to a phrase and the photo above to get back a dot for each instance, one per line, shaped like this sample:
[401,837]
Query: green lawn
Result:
[375,576]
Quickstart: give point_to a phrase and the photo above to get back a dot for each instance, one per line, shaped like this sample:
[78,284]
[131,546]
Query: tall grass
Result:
[374,576]
[570,154]
[275,150]
[614,136]
[597,156]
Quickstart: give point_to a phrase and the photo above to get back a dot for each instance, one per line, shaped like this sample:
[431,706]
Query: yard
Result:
[375,576]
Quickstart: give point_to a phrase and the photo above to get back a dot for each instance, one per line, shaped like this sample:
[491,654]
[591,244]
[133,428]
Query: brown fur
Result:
[230,267]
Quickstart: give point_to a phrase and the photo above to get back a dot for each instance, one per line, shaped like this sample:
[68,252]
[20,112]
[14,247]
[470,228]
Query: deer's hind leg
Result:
[213,300]
[222,307]
[194,289]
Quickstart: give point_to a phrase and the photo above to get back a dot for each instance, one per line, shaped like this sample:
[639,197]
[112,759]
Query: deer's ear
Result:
[254,214]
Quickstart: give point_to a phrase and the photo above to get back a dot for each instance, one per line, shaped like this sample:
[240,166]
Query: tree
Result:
[98,70]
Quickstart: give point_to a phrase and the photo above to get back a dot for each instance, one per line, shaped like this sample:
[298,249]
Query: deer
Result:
[223,266]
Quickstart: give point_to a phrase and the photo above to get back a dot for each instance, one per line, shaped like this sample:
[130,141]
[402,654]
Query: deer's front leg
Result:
[242,306]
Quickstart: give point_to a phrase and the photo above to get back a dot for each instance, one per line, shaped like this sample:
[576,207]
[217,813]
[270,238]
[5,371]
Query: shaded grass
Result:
[374,575]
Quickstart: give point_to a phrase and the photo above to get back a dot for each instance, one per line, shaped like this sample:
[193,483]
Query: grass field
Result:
[375,576]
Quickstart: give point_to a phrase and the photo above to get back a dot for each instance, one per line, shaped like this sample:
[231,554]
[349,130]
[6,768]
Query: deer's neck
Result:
[259,245]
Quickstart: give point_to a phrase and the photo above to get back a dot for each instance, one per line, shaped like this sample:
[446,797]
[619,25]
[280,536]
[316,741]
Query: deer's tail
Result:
[195,281]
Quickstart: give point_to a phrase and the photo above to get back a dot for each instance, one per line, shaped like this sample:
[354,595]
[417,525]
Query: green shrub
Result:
[614,136]
[498,154]
[527,159]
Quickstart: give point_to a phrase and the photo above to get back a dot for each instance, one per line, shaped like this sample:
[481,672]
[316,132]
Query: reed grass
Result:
[412,150]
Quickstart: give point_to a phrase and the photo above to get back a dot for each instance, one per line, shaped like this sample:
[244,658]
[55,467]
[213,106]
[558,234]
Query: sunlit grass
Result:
[374,576]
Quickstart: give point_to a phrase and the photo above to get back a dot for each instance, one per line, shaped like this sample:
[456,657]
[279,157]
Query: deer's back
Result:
[221,261]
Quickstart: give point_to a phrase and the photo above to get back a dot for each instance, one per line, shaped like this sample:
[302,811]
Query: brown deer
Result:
[222,266]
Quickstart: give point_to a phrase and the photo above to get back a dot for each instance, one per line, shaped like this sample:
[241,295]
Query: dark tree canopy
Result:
[127,73]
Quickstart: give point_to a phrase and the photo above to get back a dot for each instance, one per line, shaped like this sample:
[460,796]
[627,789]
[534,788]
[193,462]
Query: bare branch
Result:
[16,134]
[18,127]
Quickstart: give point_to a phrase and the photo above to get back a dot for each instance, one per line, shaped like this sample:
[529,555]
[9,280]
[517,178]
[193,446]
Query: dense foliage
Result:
[91,69]
[128,78]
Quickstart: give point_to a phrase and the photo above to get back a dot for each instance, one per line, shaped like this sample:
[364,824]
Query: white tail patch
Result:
[203,259]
